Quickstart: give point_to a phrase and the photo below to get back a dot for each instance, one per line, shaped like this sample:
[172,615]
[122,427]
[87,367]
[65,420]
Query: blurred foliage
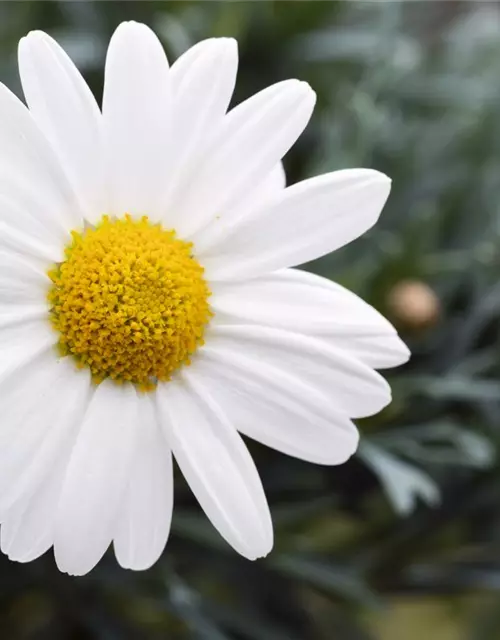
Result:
[405,538]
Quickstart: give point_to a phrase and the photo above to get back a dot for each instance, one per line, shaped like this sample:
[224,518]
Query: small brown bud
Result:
[413,305]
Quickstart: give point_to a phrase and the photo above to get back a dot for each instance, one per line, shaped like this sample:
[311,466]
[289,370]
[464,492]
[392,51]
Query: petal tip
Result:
[304,96]
[224,49]
[306,88]
[227,42]
[386,182]
[405,353]
[259,553]
[230,48]
[71,565]
[300,86]
[35,34]
[27,42]
[132,28]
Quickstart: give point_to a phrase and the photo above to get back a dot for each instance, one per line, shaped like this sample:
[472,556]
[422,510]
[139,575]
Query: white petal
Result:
[183,66]
[303,222]
[25,344]
[28,532]
[66,111]
[277,409]
[28,528]
[22,340]
[24,384]
[21,281]
[253,138]
[22,210]
[203,83]
[35,437]
[355,388]
[96,478]
[137,111]
[274,182]
[383,352]
[13,240]
[20,315]
[24,381]
[305,303]
[26,154]
[143,525]
[217,465]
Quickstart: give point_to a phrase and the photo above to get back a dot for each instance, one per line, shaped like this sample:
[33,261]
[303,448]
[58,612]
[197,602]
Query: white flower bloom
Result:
[116,227]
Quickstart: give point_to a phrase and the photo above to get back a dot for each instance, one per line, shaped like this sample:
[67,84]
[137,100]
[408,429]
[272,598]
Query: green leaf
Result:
[327,576]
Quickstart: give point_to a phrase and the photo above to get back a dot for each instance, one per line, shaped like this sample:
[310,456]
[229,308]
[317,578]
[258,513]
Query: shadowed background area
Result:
[402,542]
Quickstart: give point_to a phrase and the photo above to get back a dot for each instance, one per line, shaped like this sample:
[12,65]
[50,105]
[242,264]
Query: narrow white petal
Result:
[28,527]
[217,465]
[356,389]
[33,439]
[22,340]
[26,345]
[274,182]
[252,139]
[14,240]
[303,222]
[19,315]
[96,478]
[28,532]
[22,209]
[27,330]
[67,112]
[182,68]
[143,524]
[305,303]
[203,84]
[279,410]
[26,153]
[382,352]
[21,281]
[137,112]
[24,383]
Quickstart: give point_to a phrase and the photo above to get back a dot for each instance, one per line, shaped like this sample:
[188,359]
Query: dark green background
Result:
[412,89]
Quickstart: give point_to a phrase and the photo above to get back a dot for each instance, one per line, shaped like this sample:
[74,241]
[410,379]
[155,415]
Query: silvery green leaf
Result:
[403,482]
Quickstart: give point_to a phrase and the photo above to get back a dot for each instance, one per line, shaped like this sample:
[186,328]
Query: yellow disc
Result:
[129,301]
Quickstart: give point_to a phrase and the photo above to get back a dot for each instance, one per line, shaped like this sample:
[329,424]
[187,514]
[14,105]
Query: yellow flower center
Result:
[130,301]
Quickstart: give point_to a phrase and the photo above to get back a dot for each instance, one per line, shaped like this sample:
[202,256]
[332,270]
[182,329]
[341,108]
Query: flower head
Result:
[148,304]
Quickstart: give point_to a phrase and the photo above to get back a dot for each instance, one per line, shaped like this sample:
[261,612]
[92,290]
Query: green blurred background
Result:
[403,542]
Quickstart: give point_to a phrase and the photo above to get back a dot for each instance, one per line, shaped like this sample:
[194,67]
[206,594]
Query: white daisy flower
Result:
[148,307]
